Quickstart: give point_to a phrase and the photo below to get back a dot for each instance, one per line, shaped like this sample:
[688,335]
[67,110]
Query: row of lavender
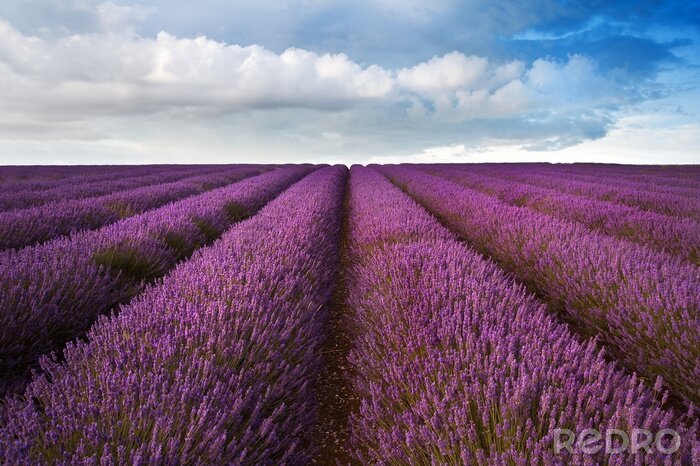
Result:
[455,364]
[643,304]
[670,186]
[673,177]
[676,235]
[88,187]
[51,293]
[25,227]
[39,177]
[669,176]
[610,189]
[215,365]
[43,178]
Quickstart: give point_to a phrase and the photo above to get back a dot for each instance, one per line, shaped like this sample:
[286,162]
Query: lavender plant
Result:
[663,203]
[456,364]
[644,305]
[86,187]
[50,294]
[25,227]
[675,235]
[212,366]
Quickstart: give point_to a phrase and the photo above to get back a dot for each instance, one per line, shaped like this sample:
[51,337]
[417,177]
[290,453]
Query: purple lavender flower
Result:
[454,362]
[25,227]
[677,235]
[50,294]
[643,304]
[214,365]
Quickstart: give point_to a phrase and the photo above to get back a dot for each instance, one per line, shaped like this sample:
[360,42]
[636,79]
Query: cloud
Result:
[86,74]
[457,87]
[99,80]
[82,75]
[447,73]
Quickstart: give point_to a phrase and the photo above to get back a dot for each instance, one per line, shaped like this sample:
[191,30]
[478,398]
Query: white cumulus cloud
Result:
[114,73]
[124,73]
[460,87]
[125,90]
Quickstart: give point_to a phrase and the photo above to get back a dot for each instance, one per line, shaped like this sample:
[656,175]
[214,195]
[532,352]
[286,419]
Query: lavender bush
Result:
[679,185]
[455,364]
[212,366]
[50,294]
[682,176]
[643,304]
[664,203]
[87,187]
[25,227]
[678,236]
[31,178]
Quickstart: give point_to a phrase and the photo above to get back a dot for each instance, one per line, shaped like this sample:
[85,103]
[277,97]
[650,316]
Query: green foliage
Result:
[236,212]
[122,209]
[208,229]
[178,243]
[128,263]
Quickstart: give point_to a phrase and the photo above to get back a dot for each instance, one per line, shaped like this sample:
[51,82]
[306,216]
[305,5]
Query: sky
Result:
[331,81]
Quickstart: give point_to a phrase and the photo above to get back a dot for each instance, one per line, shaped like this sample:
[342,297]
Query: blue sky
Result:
[334,81]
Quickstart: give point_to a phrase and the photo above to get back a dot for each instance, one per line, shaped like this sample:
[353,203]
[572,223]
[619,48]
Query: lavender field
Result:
[505,314]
